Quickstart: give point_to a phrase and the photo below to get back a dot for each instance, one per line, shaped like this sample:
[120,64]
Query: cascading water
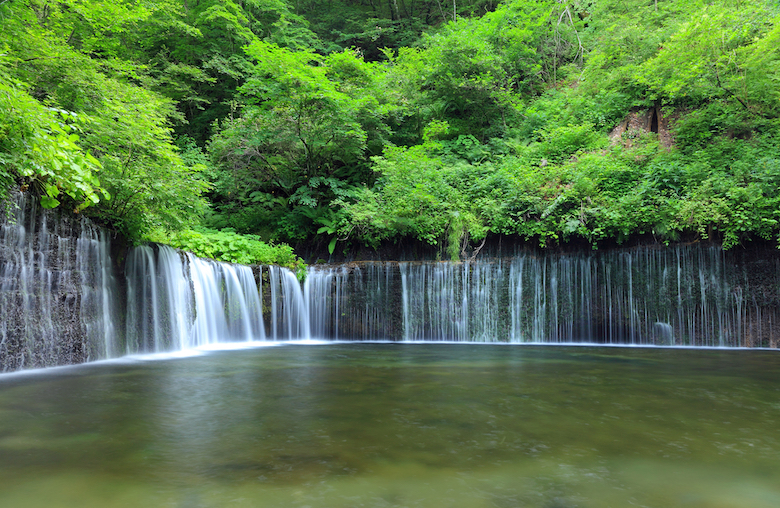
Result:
[179,301]
[448,301]
[357,301]
[57,290]
[684,295]
[99,294]
[227,303]
[288,309]
[160,307]
[59,298]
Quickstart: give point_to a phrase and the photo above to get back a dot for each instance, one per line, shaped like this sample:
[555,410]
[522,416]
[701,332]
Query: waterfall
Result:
[159,300]
[681,295]
[178,301]
[99,294]
[289,312]
[58,294]
[450,301]
[61,303]
[323,294]
[227,303]
[355,301]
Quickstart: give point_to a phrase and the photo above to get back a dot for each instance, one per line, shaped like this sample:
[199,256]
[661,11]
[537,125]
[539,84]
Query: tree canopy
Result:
[346,123]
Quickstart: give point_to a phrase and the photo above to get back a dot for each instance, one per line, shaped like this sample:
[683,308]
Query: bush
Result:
[231,247]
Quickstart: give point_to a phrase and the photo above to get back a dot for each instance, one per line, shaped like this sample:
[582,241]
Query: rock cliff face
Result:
[64,300]
[57,288]
[641,122]
[681,295]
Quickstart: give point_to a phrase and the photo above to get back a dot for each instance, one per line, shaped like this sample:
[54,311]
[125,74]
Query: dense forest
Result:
[232,128]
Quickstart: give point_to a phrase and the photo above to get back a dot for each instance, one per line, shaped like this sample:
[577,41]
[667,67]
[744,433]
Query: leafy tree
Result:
[474,71]
[714,56]
[302,139]
[39,148]
[194,53]
[124,125]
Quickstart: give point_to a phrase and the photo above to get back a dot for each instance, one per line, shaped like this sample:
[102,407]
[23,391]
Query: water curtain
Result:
[64,300]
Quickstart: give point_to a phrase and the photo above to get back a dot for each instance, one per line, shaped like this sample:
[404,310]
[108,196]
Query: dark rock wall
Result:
[694,295]
[63,295]
[57,288]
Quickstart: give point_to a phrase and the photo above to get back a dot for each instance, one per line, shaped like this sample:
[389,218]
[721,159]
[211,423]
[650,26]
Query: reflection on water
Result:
[398,425]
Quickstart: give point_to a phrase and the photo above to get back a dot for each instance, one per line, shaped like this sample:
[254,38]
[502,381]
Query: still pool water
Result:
[398,425]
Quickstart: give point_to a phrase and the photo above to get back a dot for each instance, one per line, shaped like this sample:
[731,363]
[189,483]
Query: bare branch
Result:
[476,251]
[581,50]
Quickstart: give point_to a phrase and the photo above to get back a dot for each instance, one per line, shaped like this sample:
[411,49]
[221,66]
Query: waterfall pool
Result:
[397,425]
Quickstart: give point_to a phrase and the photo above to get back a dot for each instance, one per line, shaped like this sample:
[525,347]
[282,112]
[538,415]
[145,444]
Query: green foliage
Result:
[711,56]
[226,245]
[472,72]
[416,196]
[371,27]
[193,53]
[729,188]
[312,96]
[150,184]
[69,89]
[303,139]
[498,124]
[39,148]
[346,122]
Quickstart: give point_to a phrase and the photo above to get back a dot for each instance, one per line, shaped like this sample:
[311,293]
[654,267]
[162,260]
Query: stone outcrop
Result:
[641,122]
[64,300]
[57,289]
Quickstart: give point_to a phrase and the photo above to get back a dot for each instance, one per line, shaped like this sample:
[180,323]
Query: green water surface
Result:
[398,425]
